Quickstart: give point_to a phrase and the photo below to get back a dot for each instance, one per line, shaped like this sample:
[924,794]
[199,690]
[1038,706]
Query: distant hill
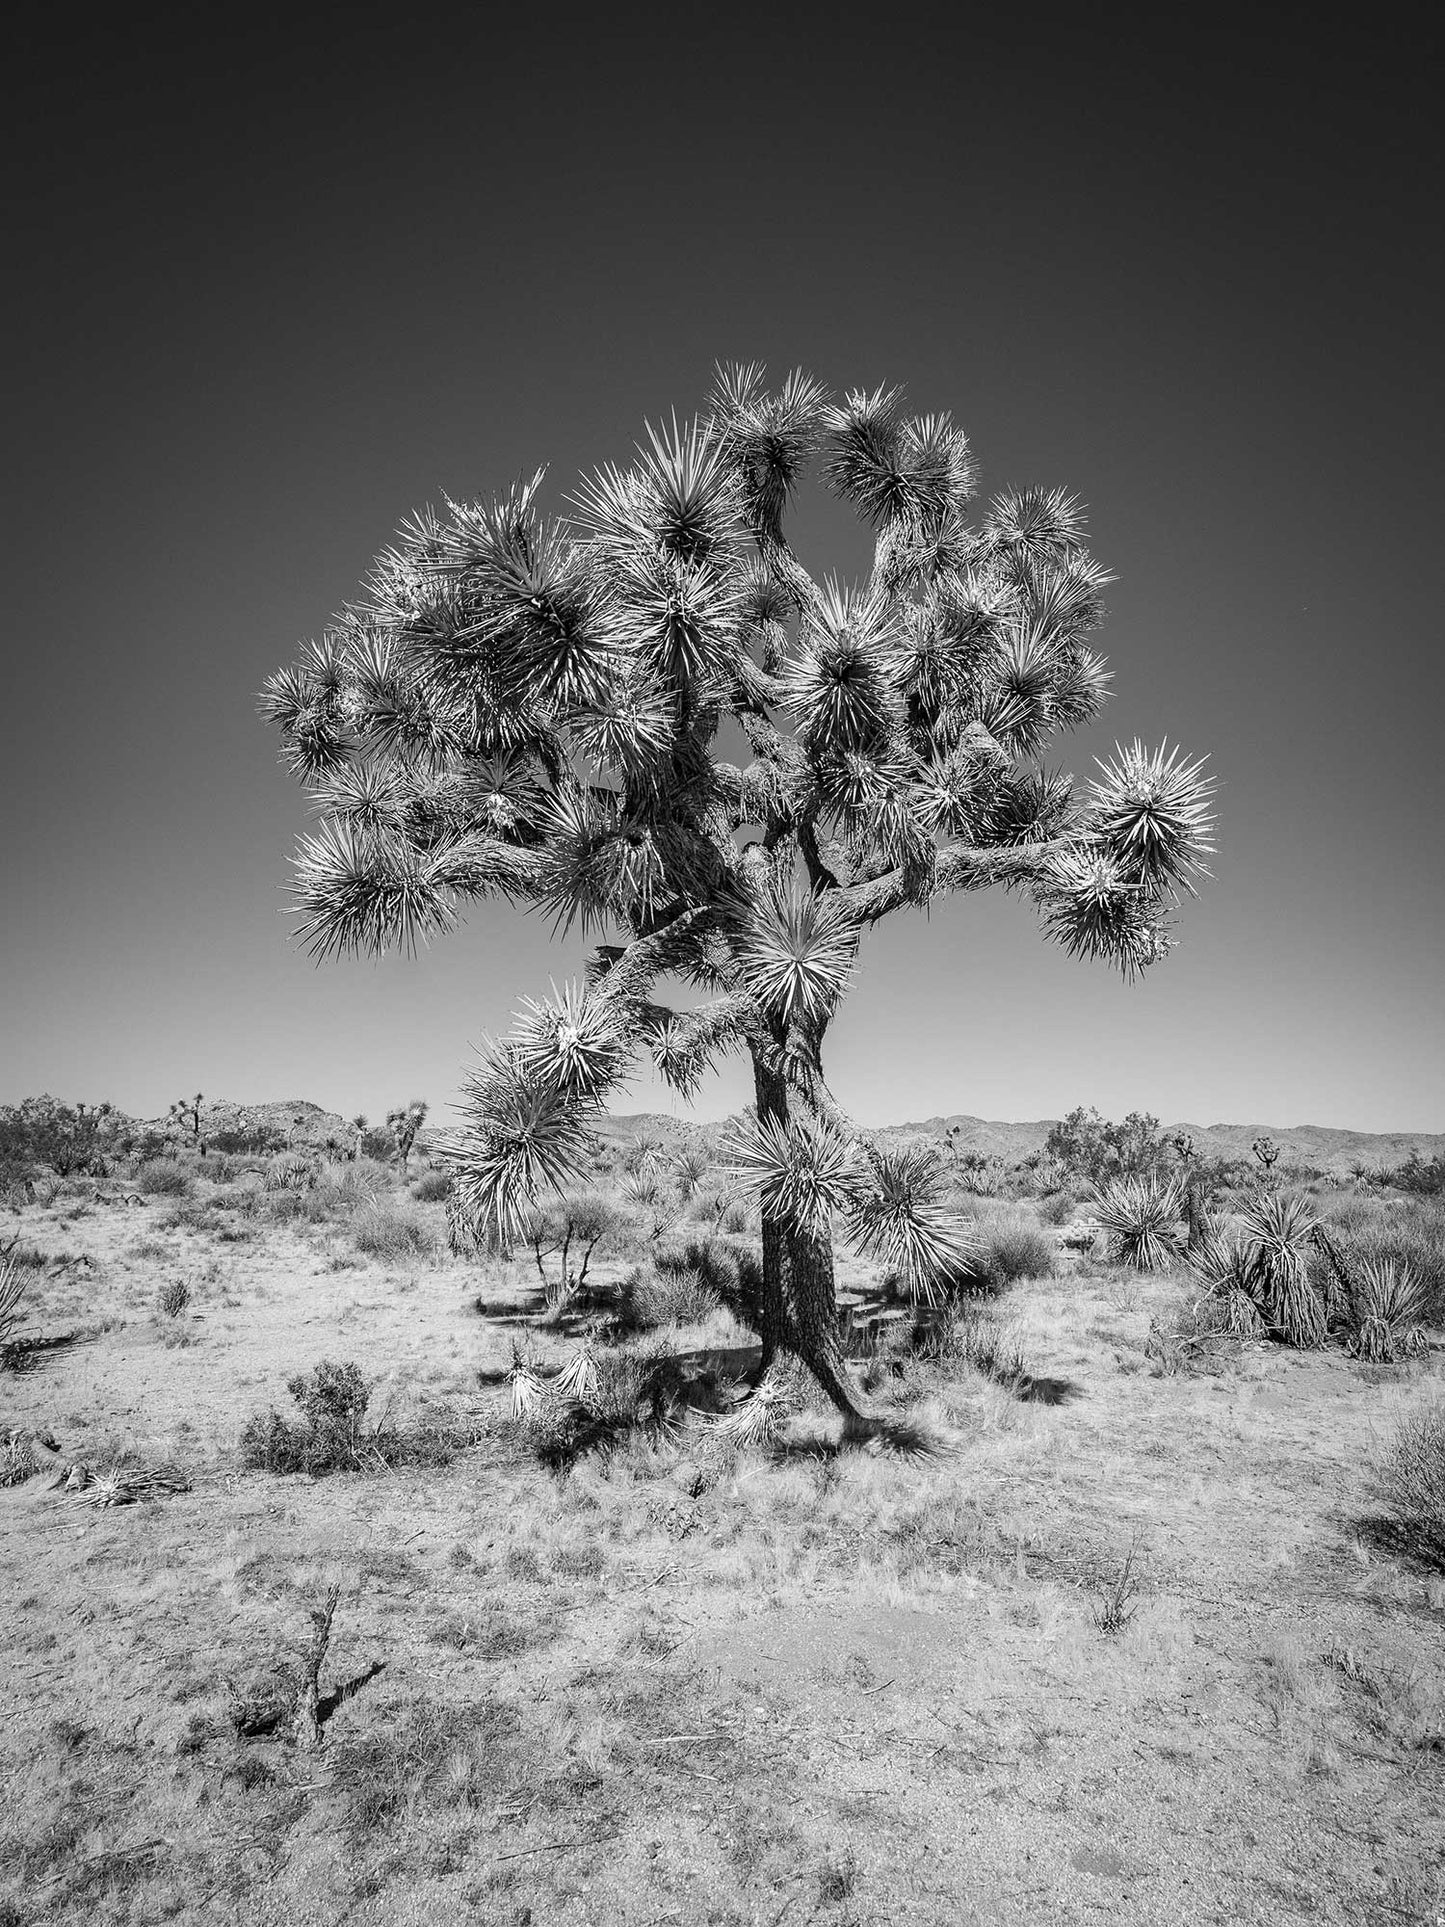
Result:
[1318,1145]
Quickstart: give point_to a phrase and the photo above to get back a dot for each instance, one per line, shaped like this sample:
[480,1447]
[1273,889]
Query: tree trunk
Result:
[1194,1212]
[800,1306]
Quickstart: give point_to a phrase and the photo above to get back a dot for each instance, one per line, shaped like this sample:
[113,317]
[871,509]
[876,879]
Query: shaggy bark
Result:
[799,1299]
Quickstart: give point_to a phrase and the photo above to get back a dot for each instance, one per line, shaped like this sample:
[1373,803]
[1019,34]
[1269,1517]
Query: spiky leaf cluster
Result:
[531,705]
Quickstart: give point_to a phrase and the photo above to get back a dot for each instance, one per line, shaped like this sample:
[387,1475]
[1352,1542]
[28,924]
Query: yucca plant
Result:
[531,706]
[13,1283]
[1230,1273]
[1279,1228]
[1142,1216]
[1387,1310]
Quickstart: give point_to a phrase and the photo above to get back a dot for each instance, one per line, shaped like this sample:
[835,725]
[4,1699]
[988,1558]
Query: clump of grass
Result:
[452,1756]
[672,1289]
[173,1297]
[1412,1483]
[1056,1207]
[163,1178]
[432,1187]
[967,1336]
[1009,1247]
[1118,1602]
[394,1236]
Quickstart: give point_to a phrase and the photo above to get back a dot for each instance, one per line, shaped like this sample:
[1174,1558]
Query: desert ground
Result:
[1131,1638]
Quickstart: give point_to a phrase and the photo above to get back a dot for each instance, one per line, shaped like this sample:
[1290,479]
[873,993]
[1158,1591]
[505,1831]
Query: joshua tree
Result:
[359,1127]
[543,709]
[1195,1214]
[1267,1152]
[185,1114]
[404,1123]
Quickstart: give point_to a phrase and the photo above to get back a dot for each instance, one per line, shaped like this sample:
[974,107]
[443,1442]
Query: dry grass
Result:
[678,1679]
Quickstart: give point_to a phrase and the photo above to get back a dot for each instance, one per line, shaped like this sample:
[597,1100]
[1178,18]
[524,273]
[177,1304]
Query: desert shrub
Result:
[1089,1146]
[163,1178]
[1010,1247]
[622,1382]
[432,1187]
[652,1295]
[966,1336]
[255,1140]
[65,1137]
[563,1235]
[1408,1233]
[1056,1207]
[333,1400]
[291,1171]
[172,1298]
[394,1236]
[1427,1178]
[1412,1482]
[1141,1215]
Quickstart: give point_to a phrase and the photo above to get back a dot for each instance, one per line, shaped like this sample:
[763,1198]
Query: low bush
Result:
[257,1140]
[1409,1233]
[394,1236]
[1426,1177]
[432,1187]
[683,1283]
[163,1178]
[968,1337]
[1011,1246]
[1056,1207]
[333,1436]
[172,1298]
[1412,1483]
[650,1296]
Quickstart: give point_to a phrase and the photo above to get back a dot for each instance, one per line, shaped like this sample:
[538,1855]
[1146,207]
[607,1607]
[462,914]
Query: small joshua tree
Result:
[185,1115]
[531,707]
[404,1123]
[359,1127]
[1195,1214]
[1267,1152]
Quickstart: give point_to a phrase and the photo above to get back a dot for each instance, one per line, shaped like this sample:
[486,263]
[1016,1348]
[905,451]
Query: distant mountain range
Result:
[1319,1145]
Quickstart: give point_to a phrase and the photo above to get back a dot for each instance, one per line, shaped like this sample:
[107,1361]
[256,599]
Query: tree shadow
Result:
[1043,1389]
[29,1354]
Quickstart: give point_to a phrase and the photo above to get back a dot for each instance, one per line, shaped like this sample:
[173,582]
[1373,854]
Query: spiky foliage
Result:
[901,1220]
[1387,1311]
[531,707]
[1141,1214]
[803,1171]
[1229,1272]
[1279,1228]
[13,1284]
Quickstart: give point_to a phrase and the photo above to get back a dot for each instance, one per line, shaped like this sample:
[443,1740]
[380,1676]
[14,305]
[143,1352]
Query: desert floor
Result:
[810,1685]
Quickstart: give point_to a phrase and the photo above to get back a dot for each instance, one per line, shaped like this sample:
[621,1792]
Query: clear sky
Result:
[275,285]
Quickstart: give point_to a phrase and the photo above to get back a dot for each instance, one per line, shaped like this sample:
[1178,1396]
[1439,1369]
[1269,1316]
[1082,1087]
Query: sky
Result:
[277,282]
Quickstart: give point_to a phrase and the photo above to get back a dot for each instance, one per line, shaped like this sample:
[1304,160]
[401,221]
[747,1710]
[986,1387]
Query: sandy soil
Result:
[822,1687]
